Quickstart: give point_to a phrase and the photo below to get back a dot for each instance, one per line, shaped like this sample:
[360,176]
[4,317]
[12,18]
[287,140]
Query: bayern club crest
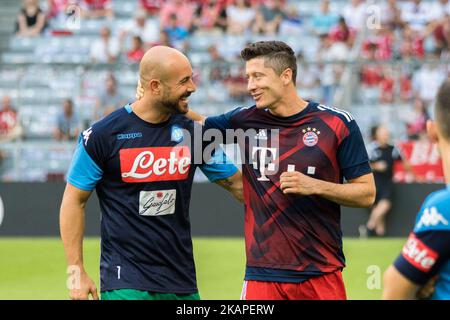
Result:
[310,136]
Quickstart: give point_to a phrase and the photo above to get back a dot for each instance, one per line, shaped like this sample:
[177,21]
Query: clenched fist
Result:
[298,183]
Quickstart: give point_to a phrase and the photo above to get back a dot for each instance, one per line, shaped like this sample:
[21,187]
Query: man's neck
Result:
[146,110]
[289,106]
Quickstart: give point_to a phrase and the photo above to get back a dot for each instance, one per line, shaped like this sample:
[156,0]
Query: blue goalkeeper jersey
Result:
[427,250]
[143,175]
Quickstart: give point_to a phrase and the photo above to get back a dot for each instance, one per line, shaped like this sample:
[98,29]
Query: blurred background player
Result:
[292,220]
[110,99]
[68,123]
[382,156]
[427,250]
[140,161]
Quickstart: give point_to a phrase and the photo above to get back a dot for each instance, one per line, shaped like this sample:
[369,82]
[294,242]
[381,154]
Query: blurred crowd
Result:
[403,49]
[403,30]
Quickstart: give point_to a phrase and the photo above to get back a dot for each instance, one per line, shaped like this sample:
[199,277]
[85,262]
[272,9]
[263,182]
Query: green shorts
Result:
[132,294]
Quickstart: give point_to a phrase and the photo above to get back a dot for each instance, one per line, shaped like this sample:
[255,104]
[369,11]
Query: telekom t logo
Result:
[263,155]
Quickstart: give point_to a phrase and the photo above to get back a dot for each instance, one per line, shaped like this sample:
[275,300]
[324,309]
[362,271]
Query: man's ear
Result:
[286,76]
[155,86]
[432,131]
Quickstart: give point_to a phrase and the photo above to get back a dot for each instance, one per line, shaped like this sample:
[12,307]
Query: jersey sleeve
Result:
[218,167]
[222,122]
[427,247]
[423,255]
[352,154]
[86,167]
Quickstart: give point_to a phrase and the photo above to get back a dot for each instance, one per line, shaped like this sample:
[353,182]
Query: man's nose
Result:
[251,85]
[192,87]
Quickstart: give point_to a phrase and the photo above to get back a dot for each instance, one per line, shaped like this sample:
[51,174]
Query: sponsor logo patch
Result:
[154,164]
[419,254]
[157,203]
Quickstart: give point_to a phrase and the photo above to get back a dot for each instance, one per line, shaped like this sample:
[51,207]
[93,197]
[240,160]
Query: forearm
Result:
[348,194]
[233,185]
[72,231]
[236,191]
[397,287]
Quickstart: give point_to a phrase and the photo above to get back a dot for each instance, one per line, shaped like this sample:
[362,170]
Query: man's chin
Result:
[183,109]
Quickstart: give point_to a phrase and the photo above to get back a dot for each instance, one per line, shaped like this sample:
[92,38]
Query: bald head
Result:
[162,63]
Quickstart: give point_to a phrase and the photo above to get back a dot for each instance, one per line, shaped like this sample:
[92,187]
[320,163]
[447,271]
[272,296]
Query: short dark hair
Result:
[277,55]
[442,109]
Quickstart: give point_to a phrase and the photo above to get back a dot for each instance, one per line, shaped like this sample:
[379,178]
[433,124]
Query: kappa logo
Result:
[86,135]
[261,135]
[132,135]
[431,217]
[311,136]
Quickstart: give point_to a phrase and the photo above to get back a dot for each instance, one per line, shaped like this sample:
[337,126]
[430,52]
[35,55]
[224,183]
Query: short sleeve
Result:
[427,247]
[218,167]
[423,255]
[352,154]
[84,172]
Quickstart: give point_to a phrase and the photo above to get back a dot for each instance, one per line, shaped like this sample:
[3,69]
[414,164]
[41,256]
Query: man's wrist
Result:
[320,187]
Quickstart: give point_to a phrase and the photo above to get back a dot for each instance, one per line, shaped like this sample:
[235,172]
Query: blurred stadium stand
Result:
[39,72]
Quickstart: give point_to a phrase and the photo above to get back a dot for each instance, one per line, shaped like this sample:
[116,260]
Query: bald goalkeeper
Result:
[139,159]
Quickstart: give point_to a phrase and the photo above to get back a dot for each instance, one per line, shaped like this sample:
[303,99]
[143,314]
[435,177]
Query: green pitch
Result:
[34,268]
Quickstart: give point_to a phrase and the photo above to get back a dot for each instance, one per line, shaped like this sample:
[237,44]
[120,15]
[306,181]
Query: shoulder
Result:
[336,113]
[241,112]
[340,121]
[435,212]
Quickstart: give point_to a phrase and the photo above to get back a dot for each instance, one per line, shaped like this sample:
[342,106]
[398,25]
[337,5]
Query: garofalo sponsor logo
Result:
[157,203]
